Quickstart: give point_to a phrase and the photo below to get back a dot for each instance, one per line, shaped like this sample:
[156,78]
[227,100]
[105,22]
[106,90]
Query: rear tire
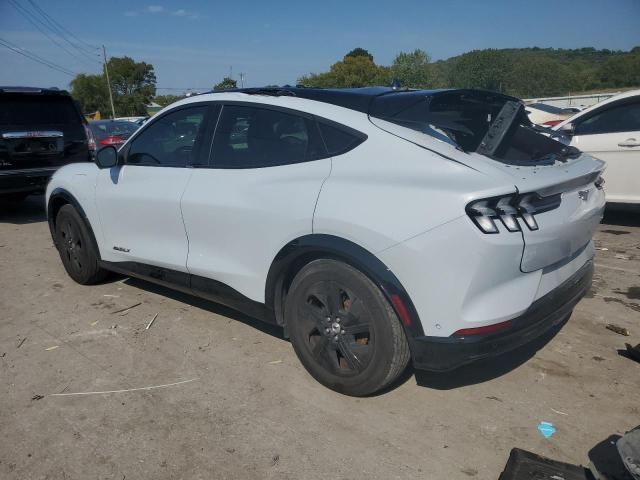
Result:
[343,329]
[76,247]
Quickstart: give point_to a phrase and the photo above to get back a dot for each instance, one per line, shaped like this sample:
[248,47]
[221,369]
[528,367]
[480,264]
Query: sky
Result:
[194,44]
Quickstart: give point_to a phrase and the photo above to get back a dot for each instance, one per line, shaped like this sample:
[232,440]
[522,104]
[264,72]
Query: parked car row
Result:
[337,213]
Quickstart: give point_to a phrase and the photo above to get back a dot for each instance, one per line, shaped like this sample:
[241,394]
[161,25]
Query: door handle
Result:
[629,142]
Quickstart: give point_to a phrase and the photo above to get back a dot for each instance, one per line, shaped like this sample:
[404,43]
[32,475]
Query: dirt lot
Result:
[247,409]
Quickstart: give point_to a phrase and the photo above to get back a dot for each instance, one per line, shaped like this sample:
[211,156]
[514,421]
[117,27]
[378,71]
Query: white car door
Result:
[259,192]
[612,134]
[139,201]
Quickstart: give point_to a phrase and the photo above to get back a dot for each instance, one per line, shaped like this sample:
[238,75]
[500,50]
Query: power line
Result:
[61,28]
[29,16]
[35,58]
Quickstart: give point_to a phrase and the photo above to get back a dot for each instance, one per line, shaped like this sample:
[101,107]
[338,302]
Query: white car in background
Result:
[547,115]
[610,131]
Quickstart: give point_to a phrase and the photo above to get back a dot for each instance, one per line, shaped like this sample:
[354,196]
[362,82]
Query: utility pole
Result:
[106,71]
[242,80]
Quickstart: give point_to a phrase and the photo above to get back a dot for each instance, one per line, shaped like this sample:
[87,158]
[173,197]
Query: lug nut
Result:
[337,319]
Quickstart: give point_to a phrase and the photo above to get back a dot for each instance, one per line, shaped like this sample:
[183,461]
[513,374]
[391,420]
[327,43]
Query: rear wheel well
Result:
[298,253]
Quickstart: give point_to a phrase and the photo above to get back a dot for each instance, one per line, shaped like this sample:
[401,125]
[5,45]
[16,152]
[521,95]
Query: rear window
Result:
[464,118]
[461,116]
[547,108]
[36,110]
[113,128]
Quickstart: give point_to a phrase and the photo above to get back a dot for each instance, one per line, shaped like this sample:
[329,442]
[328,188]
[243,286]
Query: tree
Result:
[622,71]
[226,84]
[133,85]
[412,69]
[92,93]
[164,100]
[359,52]
[486,69]
[352,71]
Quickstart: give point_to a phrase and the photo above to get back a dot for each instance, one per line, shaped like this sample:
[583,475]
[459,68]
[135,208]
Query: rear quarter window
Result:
[339,139]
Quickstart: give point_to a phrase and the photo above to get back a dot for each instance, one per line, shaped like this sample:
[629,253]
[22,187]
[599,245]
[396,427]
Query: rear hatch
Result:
[558,187]
[40,129]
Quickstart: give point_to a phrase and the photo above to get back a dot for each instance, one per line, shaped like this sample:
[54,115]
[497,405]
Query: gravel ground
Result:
[240,406]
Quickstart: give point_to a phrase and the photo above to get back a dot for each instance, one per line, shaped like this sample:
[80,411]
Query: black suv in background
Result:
[40,130]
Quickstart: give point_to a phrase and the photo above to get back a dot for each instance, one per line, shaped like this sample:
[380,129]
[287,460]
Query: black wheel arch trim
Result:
[304,249]
[67,198]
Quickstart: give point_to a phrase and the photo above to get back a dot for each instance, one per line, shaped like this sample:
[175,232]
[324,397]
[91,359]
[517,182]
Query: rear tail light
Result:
[552,123]
[112,140]
[510,210]
[91,142]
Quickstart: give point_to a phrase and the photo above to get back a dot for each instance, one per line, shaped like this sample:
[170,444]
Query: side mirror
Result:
[107,157]
[568,128]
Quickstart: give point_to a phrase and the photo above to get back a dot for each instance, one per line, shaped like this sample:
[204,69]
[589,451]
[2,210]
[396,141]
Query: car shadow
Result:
[29,210]
[478,372]
[484,370]
[217,308]
[624,216]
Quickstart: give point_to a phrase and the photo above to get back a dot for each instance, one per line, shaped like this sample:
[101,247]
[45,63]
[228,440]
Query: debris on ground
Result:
[275,362]
[527,465]
[628,447]
[151,322]
[631,352]
[37,397]
[126,309]
[48,349]
[114,326]
[558,411]
[274,460]
[617,329]
[546,429]
[21,342]
[604,249]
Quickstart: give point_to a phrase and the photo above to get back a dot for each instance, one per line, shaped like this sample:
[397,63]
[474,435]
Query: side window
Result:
[170,141]
[252,137]
[338,140]
[622,118]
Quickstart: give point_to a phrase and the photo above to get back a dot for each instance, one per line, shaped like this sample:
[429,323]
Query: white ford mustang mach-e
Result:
[377,226]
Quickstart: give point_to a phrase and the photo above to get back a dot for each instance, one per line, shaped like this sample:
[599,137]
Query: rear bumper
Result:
[546,313]
[32,180]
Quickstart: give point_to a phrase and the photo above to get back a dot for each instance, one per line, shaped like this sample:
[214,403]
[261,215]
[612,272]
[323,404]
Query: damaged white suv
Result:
[377,226]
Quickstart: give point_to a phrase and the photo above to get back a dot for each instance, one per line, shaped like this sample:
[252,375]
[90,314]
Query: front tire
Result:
[343,329]
[76,247]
